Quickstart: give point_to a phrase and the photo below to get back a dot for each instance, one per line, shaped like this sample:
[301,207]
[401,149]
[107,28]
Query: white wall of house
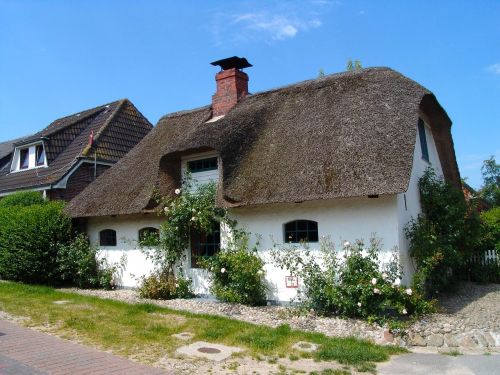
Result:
[409,202]
[127,236]
[341,220]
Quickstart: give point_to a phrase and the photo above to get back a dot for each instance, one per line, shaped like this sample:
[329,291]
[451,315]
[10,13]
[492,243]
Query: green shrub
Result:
[30,238]
[352,285]
[23,198]
[80,264]
[164,285]
[237,276]
[443,236]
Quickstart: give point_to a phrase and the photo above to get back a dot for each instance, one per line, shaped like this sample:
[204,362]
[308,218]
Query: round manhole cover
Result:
[209,350]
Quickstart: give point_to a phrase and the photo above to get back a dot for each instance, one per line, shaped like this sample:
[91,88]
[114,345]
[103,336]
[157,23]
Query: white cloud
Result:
[495,68]
[270,23]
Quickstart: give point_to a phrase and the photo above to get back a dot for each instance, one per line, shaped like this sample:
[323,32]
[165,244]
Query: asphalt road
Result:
[437,364]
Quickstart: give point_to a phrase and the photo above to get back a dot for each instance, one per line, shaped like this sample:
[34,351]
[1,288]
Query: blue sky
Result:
[60,57]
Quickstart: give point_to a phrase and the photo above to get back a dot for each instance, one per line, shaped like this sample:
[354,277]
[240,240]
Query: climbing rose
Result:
[222,270]
[404,312]
[193,218]
[408,291]
[384,276]
[359,304]
[347,243]
[397,282]
[374,281]
[376,291]
[177,191]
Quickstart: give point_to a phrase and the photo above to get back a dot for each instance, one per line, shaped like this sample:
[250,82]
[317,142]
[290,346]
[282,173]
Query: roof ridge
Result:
[103,127]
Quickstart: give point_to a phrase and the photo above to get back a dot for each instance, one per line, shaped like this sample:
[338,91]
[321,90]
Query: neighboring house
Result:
[66,156]
[338,156]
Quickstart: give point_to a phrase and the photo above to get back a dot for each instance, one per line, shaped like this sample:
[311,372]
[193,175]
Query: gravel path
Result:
[470,320]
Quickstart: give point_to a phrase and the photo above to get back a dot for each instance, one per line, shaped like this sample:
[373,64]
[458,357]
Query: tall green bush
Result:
[23,198]
[443,236]
[30,237]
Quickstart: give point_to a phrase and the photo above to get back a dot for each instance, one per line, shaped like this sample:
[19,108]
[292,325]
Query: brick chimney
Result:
[232,84]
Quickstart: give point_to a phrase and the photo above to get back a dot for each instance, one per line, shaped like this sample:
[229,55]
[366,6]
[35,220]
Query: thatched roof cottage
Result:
[336,156]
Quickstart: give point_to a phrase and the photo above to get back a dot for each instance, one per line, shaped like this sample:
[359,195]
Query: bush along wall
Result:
[37,246]
[236,271]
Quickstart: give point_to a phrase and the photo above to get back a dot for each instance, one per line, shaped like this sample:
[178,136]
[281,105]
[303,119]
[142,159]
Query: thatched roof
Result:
[117,127]
[343,135]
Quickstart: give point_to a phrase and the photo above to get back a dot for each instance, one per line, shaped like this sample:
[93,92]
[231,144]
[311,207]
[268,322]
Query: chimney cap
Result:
[232,62]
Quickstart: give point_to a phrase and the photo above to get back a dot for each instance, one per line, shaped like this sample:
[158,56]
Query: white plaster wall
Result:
[127,235]
[341,220]
[412,207]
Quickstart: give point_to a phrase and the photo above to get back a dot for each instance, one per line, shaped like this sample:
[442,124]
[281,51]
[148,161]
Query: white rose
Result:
[374,281]
[177,191]
[359,304]
[222,270]
[408,291]
[376,291]
[397,282]
[384,276]
[347,243]
[176,285]
[193,219]
[404,312]
[260,272]
[194,210]
[165,209]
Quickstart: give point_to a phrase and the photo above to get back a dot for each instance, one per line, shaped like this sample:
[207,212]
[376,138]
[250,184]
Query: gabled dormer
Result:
[29,156]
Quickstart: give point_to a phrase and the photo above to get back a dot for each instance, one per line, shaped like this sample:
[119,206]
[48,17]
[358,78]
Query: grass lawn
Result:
[146,329]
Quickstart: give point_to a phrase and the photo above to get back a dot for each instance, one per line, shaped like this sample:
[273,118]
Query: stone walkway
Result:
[24,351]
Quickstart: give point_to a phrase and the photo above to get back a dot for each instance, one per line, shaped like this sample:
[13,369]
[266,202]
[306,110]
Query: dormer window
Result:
[29,157]
[24,158]
[39,156]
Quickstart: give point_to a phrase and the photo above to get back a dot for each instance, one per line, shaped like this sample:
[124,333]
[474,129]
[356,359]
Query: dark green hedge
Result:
[30,237]
[24,198]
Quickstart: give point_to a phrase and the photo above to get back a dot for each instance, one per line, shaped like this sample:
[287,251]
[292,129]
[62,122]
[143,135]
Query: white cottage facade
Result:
[364,184]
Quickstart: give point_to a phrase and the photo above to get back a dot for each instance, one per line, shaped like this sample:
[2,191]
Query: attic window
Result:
[39,155]
[204,244]
[423,140]
[301,231]
[24,158]
[107,237]
[202,165]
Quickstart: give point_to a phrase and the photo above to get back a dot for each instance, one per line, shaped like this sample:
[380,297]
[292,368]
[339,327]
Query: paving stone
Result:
[184,336]
[26,351]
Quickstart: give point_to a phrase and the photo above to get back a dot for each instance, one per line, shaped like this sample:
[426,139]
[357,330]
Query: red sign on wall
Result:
[291,281]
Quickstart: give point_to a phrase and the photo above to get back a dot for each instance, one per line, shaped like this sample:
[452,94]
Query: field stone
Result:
[435,340]
[61,302]
[450,341]
[416,340]
[214,352]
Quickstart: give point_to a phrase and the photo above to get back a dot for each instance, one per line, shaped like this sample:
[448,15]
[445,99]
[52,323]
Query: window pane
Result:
[204,244]
[208,164]
[423,140]
[24,158]
[40,155]
[107,237]
[301,230]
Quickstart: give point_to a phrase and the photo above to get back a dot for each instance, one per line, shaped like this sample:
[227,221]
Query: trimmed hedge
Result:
[30,237]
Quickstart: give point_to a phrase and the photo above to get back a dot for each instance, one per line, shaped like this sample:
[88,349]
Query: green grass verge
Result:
[144,330]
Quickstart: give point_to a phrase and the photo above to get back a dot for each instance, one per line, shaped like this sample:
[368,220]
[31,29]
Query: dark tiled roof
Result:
[344,135]
[117,127]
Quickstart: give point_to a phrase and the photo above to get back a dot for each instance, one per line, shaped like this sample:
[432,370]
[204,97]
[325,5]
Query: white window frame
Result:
[31,147]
